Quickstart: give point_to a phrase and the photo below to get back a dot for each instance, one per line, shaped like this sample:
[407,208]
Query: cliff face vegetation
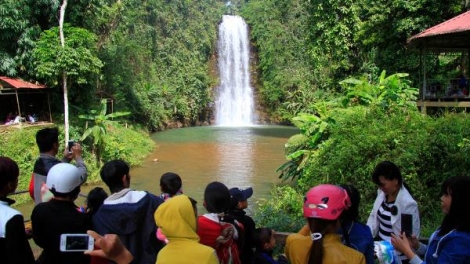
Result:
[156,58]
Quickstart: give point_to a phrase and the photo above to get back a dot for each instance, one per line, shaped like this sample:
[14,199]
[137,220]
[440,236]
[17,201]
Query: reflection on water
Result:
[236,154]
[238,157]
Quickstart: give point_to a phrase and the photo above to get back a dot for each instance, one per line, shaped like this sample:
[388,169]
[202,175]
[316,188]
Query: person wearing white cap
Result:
[60,216]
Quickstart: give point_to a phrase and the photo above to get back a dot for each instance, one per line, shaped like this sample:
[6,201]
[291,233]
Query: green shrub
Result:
[427,150]
[130,144]
[282,212]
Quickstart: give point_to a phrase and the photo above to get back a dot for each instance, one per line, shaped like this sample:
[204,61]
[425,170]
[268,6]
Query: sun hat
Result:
[241,195]
[63,178]
[325,201]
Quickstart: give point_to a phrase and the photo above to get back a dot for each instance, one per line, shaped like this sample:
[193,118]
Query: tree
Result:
[75,62]
[102,122]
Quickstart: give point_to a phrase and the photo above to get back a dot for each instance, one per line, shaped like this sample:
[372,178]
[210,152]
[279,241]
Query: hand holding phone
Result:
[70,144]
[76,242]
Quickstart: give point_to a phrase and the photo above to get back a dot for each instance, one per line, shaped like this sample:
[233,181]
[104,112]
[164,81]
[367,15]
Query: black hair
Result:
[170,183]
[217,198]
[112,172]
[95,199]
[45,138]
[389,171]
[458,216]
[318,225]
[72,194]
[351,214]
[9,171]
[261,236]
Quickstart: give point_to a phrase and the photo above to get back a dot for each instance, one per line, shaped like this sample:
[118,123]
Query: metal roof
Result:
[450,35]
[7,82]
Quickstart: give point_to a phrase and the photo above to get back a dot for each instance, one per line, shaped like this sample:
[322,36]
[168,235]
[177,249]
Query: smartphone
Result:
[70,145]
[407,224]
[76,242]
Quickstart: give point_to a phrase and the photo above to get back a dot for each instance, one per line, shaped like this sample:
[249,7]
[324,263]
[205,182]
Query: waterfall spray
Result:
[234,105]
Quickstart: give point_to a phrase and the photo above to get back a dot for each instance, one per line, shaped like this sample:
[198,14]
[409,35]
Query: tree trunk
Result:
[64,74]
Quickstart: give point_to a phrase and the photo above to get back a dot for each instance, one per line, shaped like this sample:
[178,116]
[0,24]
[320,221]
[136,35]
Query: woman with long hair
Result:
[322,208]
[450,243]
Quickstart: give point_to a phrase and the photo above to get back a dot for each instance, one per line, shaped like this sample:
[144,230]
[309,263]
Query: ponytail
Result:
[318,229]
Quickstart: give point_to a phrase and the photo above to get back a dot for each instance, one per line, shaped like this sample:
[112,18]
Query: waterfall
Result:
[234,104]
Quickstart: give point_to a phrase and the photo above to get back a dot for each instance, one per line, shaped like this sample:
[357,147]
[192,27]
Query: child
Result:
[217,229]
[239,202]
[450,243]
[177,218]
[170,185]
[95,199]
[264,243]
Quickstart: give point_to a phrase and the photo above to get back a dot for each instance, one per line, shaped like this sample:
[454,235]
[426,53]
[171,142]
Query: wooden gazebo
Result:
[17,87]
[449,37]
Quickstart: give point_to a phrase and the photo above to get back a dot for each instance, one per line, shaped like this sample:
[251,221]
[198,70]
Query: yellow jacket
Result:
[298,250]
[177,220]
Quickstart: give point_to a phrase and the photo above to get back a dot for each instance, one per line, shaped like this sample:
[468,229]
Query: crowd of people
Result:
[131,226]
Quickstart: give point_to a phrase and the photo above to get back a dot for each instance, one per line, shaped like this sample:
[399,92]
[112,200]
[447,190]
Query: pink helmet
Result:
[326,201]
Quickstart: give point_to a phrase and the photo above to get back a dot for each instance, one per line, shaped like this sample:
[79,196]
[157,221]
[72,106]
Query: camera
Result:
[76,242]
[70,144]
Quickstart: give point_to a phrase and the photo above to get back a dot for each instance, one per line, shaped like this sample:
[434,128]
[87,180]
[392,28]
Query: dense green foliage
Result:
[156,54]
[366,132]
[130,144]
[309,46]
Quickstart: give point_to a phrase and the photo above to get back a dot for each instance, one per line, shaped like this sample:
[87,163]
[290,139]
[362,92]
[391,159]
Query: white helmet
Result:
[63,178]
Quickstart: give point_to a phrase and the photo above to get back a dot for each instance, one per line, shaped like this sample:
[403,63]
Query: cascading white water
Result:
[234,105]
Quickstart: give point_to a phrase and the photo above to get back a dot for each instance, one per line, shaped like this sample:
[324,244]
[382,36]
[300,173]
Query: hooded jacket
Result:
[177,220]
[453,247]
[129,214]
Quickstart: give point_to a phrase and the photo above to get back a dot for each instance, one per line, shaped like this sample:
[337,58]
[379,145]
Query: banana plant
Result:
[389,90]
[300,147]
[101,122]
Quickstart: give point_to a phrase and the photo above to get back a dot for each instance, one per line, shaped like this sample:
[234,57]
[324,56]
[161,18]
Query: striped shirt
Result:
[385,225]
[385,220]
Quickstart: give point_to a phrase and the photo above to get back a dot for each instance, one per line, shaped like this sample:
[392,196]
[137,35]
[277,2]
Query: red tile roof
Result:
[8,82]
[457,24]
[453,34]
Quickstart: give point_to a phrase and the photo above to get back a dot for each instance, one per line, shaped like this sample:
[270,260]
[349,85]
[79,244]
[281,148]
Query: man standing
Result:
[47,140]
[128,213]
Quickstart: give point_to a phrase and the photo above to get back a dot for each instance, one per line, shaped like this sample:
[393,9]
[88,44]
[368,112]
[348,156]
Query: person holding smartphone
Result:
[47,140]
[450,243]
[60,216]
[392,203]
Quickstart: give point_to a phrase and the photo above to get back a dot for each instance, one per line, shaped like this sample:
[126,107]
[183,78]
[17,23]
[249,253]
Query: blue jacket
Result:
[454,247]
[361,240]
[129,214]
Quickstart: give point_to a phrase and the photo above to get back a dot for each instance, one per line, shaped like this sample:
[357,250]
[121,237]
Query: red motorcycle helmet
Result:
[325,201]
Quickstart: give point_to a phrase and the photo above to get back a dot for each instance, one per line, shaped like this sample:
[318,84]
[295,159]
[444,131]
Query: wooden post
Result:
[49,104]
[17,102]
